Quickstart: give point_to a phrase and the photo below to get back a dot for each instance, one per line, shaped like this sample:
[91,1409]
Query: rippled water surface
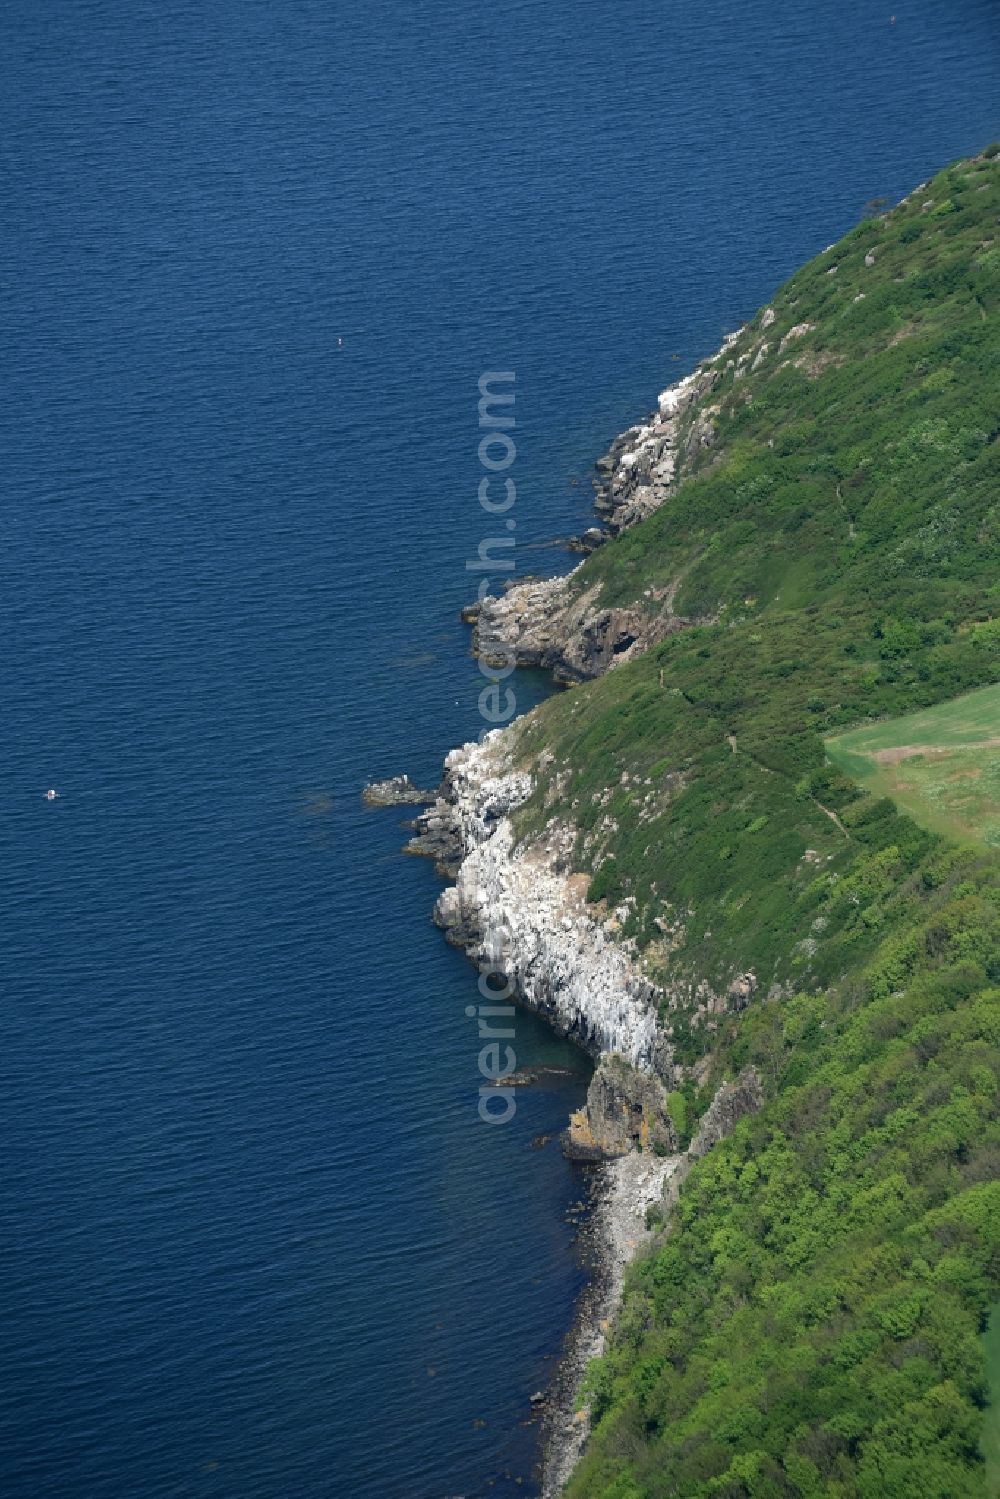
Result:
[254,1242]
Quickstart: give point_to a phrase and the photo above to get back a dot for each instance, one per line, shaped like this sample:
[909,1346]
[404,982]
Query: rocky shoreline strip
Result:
[613,1234]
[616,1233]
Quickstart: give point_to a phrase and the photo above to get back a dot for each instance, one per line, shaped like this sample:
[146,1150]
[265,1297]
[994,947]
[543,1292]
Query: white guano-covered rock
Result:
[518,911]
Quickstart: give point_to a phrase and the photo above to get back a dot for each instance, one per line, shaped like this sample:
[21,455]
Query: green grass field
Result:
[942,766]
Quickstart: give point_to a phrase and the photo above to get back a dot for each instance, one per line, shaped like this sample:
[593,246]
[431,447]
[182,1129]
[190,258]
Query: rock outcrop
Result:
[644,464]
[520,913]
[730,1104]
[555,623]
[397,791]
[742,990]
[624,1108]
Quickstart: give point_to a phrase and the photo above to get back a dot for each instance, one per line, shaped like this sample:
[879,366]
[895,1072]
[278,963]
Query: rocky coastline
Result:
[519,910]
[517,899]
[559,625]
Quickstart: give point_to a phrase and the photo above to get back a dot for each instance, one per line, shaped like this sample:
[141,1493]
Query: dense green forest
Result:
[810,1320]
[810,1326]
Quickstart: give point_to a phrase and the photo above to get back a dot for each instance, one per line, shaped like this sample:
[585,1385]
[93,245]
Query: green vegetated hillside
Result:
[810,1323]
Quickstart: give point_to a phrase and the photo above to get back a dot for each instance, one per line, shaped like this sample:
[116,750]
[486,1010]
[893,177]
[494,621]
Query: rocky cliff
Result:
[625,1109]
[519,911]
[559,624]
[521,914]
[519,908]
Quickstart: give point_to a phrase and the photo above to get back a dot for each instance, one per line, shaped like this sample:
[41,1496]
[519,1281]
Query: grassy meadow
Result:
[942,765]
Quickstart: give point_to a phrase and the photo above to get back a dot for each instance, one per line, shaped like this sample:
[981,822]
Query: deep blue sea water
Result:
[254,1242]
